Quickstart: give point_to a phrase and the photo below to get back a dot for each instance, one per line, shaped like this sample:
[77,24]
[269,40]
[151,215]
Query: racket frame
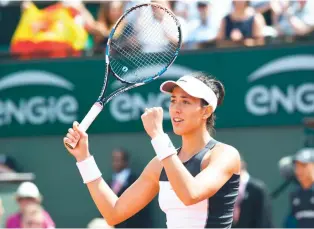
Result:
[102,101]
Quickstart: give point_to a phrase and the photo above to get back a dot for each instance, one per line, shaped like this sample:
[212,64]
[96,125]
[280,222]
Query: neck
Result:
[193,142]
[239,11]
[203,21]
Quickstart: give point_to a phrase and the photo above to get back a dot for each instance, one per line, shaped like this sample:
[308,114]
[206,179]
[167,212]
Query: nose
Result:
[177,108]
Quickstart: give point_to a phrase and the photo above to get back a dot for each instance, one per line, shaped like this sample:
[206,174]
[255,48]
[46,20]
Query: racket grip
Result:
[88,120]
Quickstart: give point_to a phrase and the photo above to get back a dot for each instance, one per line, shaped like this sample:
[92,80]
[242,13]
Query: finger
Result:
[66,140]
[69,136]
[77,129]
[74,134]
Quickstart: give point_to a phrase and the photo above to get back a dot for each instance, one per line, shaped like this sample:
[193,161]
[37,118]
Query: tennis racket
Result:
[147,35]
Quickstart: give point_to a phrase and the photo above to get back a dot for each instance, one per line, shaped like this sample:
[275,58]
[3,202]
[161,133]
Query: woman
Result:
[197,185]
[33,217]
[108,15]
[243,24]
[28,194]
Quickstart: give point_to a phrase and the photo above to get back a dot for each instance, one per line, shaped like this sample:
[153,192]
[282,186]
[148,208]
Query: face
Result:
[240,4]
[24,202]
[116,10]
[187,114]
[118,161]
[157,12]
[33,218]
[304,172]
[203,11]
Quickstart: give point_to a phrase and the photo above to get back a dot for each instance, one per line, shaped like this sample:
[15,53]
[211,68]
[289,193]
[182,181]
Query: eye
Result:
[186,102]
[172,101]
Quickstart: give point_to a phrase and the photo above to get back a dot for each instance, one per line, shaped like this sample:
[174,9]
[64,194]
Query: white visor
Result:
[193,87]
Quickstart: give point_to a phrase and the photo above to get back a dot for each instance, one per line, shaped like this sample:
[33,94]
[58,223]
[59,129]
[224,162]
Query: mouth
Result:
[177,120]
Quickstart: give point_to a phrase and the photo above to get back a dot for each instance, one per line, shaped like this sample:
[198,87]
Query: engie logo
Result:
[263,99]
[37,109]
[130,106]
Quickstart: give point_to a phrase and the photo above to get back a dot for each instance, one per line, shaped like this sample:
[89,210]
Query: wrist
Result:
[157,134]
[88,170]
[82,158]
[163,146]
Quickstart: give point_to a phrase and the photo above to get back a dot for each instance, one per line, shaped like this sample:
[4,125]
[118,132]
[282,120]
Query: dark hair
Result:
[219,91]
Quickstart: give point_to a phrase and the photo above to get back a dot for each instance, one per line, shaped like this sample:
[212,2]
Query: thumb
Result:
[77,129]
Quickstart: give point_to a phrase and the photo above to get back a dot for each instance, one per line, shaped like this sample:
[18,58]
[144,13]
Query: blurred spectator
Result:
[264,7]
[253,206]
[109,13]
[302,199]
[27,193]
[33,217]
[243,24]
[204,28]
[7,164]
[122,178]
[295,17]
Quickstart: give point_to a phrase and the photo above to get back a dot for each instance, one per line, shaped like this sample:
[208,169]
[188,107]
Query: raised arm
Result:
[224,161]
[112,208]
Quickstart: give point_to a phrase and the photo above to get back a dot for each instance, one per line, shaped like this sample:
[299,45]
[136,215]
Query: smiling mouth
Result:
[177,120]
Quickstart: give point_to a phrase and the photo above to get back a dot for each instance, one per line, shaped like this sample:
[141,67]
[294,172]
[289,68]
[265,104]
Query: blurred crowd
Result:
[253,208]
[68,27]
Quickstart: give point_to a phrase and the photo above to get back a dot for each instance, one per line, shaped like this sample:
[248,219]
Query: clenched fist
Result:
[75,134]
[152,121]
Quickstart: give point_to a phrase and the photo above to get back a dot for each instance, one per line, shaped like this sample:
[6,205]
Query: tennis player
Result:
[197,183]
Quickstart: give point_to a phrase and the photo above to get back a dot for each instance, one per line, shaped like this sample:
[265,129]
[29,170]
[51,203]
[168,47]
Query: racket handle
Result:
[88,120]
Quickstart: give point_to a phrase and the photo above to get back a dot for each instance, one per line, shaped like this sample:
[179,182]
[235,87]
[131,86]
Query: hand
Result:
[152,121]
[236,35]
[75,134]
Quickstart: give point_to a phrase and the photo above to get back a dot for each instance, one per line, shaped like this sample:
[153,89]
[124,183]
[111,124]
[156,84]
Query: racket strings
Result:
[153,28]
[167,54]
[138,49]
[161,38]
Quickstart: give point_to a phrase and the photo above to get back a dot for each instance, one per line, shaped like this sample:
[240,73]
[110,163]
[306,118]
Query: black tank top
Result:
[220,205]
[245,26]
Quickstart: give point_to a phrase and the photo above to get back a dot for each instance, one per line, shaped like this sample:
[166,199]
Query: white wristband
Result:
[88,170]
[163,146]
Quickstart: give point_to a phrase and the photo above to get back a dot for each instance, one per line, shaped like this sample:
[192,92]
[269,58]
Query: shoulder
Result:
[259,19]
[226,151]
[224,154]
[13,220]
[48,220]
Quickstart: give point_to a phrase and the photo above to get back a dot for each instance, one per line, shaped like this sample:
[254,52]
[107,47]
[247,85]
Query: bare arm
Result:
[135,198]
[190,190]
[112,208]
[299,26]
[222,163]
[258,28]
[221,33]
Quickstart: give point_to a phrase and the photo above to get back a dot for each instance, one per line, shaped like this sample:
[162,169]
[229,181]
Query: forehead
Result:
[301,164]
[117,154]
[179,92]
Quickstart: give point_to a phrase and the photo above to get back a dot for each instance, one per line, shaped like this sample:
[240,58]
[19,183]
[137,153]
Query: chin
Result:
[179,131]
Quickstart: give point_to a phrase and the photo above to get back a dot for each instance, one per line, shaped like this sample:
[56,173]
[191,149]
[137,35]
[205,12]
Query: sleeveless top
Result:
[245,26]
[215,212]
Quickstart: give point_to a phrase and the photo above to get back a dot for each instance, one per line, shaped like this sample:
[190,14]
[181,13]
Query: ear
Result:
[208,110]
